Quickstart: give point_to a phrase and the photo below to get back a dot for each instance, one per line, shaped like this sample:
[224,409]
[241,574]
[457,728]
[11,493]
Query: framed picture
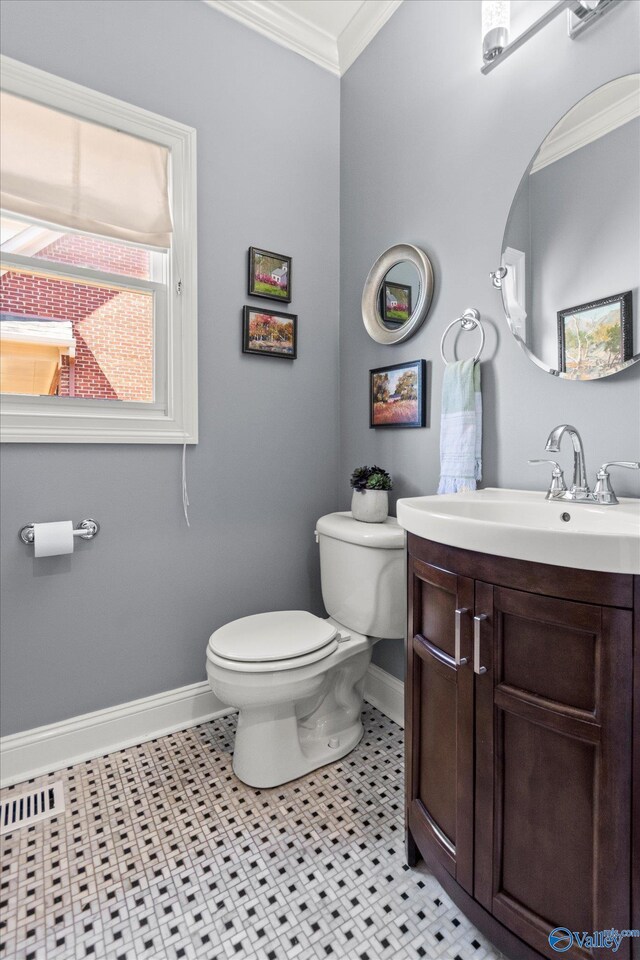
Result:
[396,302]
[269,333]
[397,395]
[595,339]
[269,275]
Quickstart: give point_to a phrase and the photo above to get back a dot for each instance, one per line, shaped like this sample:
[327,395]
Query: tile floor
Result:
[162,853]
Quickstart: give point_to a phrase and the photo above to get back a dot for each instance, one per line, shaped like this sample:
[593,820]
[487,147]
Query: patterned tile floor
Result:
[162,853]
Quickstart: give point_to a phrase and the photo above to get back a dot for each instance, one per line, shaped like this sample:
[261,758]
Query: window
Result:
[77,315]
[97,267]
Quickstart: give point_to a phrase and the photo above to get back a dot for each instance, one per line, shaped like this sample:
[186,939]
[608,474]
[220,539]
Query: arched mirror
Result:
[397,293]
[571,247]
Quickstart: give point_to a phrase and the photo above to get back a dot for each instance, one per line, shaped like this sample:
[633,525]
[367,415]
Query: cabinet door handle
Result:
[460,661]
[476,643]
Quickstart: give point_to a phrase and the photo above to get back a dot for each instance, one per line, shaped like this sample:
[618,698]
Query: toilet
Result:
[297,680]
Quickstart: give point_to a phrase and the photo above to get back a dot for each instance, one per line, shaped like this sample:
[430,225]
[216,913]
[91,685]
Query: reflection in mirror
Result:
[399,291]
[397,294]
[572,241]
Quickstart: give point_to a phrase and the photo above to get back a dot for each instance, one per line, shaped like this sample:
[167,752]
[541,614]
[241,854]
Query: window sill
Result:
[36,420]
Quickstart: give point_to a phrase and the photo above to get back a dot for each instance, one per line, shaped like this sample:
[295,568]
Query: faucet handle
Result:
[631,464]
[556,465]
[558,485]
[603,492]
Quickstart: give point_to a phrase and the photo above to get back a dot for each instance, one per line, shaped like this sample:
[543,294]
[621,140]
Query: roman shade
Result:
[74,173]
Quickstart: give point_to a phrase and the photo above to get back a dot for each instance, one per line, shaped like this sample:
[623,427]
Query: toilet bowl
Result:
[298,680]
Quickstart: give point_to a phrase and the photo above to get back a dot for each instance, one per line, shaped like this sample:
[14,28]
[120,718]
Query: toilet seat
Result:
[279,640]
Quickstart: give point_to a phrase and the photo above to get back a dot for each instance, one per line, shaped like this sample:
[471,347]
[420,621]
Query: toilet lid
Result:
[266,637]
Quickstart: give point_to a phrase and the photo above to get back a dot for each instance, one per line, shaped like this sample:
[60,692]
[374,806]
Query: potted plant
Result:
[370,499]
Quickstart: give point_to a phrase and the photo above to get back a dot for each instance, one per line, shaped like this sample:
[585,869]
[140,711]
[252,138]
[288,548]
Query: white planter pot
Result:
[370,506]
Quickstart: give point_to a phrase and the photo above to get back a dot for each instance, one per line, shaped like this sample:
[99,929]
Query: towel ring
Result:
[469,320]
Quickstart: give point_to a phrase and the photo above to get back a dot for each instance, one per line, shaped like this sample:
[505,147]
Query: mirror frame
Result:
[371,316]
[513,325]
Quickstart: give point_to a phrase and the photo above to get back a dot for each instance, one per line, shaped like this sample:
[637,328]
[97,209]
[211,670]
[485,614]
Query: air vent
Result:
[27,808]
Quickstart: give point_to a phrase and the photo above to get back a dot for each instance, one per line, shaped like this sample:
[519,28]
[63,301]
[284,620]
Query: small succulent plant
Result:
[370,478]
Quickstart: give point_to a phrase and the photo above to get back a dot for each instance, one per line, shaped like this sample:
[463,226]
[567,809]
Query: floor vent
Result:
[28,808]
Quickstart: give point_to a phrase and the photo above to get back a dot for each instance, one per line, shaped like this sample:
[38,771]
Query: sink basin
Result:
[523,525]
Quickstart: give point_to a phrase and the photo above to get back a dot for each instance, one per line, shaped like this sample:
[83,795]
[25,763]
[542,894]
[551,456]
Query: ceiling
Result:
[332,33]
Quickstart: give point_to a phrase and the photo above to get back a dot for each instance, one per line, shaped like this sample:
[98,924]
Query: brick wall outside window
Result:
[113,329]
[76,249]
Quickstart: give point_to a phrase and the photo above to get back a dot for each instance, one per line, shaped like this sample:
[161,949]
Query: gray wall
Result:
[445,181]
[129,615]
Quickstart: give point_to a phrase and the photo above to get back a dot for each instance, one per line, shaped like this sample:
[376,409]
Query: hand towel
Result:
[461,428]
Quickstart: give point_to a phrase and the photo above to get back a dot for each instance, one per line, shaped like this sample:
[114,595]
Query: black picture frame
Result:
[260,341]
[269,275]
[388,294]
[583,357]
[399,408]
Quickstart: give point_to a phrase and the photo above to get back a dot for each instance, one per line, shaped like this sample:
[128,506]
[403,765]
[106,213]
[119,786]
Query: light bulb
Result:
[495,27]
[584,8]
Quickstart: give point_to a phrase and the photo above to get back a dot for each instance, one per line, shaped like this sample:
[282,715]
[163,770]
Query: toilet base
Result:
[258,758]
[292,722]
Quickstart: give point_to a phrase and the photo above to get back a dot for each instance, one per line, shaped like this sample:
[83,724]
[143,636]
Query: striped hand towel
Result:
[461,428]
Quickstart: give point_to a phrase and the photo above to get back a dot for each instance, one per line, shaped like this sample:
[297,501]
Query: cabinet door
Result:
[440,718]
[553,766]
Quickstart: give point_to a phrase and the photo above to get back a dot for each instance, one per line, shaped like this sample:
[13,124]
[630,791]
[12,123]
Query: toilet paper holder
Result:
[86,530]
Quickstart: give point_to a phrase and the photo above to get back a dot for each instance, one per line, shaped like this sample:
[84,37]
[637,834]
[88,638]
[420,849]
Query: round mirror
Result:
[397,293]
[570,267]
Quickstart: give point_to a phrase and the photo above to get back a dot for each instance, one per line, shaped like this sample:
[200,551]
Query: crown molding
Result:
[335,54]
[283,28]
[615,115]
[362,28]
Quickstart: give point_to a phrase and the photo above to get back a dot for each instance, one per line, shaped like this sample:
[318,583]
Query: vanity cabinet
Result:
[519,730]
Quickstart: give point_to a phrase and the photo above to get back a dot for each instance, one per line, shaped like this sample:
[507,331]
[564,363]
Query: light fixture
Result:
[584,12]
[495,28]
[495,25]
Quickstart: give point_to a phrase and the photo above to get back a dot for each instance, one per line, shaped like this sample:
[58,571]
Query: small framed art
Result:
[596,338]
[269,333]
[397,395]
[269,275]
[396,302]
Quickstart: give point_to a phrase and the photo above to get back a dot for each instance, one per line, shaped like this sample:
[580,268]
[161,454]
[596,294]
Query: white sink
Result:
[523,525]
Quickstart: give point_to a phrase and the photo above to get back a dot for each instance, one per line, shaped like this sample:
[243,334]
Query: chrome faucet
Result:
[579,491]
[603,492]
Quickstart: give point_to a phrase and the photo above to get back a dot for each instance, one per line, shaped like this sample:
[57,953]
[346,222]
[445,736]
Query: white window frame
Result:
[173,416]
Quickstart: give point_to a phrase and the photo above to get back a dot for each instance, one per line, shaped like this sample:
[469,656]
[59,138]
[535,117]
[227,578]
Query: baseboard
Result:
[44,749]
[386,692]
[58,745]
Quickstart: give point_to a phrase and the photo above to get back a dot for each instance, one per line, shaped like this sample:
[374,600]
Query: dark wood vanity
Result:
[523,785]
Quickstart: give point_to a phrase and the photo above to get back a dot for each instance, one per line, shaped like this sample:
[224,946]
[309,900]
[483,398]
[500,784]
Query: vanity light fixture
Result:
[495,25]
[495,28]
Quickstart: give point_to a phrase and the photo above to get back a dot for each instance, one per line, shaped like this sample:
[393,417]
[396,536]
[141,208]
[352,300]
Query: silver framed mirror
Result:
[570,265]
[397,294]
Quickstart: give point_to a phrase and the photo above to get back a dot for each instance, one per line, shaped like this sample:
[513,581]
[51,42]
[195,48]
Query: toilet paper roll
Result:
[53,539]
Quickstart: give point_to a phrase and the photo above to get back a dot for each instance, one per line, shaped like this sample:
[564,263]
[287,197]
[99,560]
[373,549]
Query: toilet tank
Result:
[362,570]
